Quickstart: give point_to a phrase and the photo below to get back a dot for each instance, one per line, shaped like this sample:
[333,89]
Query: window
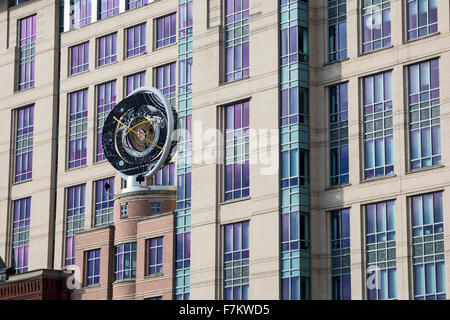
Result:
[237,173]
[154,298]
[340,254]
[124,210]
[376,24]
[422,18]
[135,81]
[166,175]
[27,52]
[93,267]
[79,58]
[132,4]
[108,8]
[339,170]
[104,202]
[236,261]
[428,247]
[294,45]
[24,143]
[75,218]
[155,255]
[82,12]
[107,49]
[424,114]
[378,126]
[136,40]
[166,30]
[237,39]
[125,266]
[155,207]
[106,101]
[78,128]
[21,234]
[183,261]
[337,30]
[381,254]
[165,81]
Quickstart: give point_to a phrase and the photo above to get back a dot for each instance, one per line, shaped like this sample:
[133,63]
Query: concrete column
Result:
[356,249]
[402,247]
[94,11]
[67,19]
[121,6]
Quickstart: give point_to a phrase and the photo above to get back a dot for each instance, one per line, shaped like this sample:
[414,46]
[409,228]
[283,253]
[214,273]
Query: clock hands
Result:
[136,133]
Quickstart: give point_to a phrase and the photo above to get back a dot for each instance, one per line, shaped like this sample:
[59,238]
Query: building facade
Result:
[311,153]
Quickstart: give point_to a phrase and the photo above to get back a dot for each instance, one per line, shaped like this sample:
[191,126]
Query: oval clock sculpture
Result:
[137,134]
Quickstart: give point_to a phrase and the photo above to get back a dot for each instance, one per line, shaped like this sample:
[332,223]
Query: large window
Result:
[381,254]
[27,52]
[340,255]
[166,175]
[134,82]
[104,202]
[78,128]
[376,24]
[107,49]
[378,126]
[106,101]
[166,30]
[136,40]
[132,4]
[236,261]
[339,169]
[237,174]
[165,81]
[82,12]
[21,234]
[93,267]
[125,263]
[424,115]
[155,255]
[428,247]
[422,18]
[79,58]
[108,8]
[24,144]
[237,39]
[337,30]
[75,209]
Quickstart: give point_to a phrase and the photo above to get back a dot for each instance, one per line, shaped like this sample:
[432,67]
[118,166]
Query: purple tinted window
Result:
[125,264]
[93,267]
[428,247]
[236,261]
[294,45]
[339,160]
[378,126]
[78,128]
[135,81]
[106,100]
[82,12]
[166,175]
[381,256]
[185,19]
[166,30]
[27,51]
[136,40]
[107,49]
[237,39]
[237,175]
[376,24]
[21,234]
[132,4]
[109,8]
[422,18]
[75,208]
[104,202]
[79,58]
[166,81]
[340,254]
[155,255]
[24,143]
[424,114]
[337,29]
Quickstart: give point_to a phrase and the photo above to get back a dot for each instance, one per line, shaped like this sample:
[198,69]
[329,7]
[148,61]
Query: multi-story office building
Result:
[312,164]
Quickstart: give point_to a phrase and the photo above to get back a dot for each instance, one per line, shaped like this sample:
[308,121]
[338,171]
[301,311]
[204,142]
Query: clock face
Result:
[135,134]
